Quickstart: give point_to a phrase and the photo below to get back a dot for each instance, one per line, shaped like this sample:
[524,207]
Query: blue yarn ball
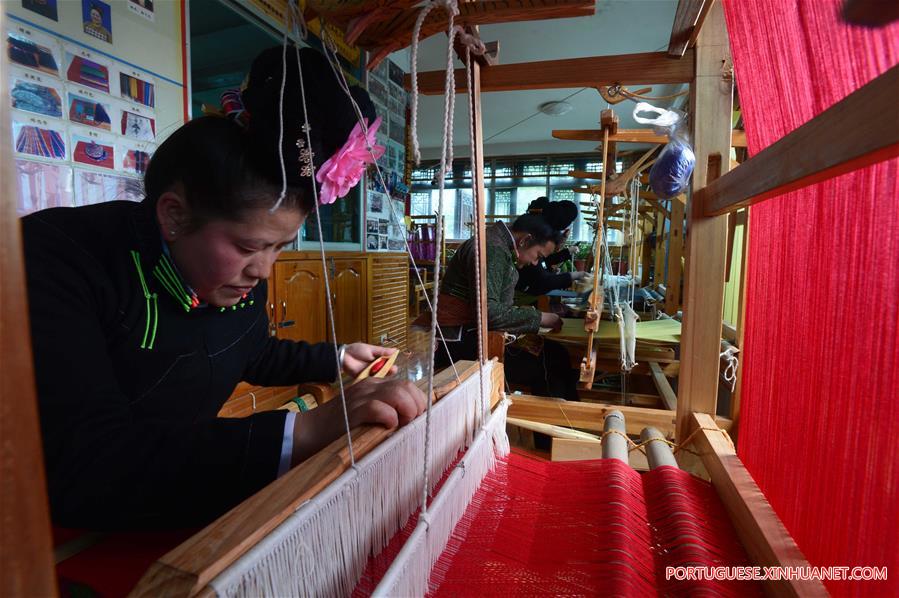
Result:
[671,172]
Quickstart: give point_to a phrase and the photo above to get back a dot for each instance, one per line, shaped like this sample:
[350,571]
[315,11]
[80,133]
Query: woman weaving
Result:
[540,364]
[538,279]
[146,316]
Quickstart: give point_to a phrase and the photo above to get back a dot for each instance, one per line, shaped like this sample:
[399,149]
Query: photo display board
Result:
[89,104]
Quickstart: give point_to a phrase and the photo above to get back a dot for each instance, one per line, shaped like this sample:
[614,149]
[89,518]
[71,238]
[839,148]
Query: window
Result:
[533,168]
[510,185]
[502,201]
[503,170]
[420,204]
[466,215]
[525,196]
[561,168]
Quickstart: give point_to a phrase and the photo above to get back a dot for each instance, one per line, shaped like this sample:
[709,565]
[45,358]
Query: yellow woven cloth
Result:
[653,332]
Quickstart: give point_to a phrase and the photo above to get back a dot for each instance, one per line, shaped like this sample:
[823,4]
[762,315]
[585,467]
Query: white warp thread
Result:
[411,570]
[323,548]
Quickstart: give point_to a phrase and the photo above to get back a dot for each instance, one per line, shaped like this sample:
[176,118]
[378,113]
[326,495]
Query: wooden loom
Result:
[25,542]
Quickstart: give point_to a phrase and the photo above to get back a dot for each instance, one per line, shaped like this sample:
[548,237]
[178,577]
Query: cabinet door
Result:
[348,292]
[300,300]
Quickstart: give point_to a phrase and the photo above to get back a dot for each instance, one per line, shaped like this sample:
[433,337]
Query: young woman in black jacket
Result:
[145,316]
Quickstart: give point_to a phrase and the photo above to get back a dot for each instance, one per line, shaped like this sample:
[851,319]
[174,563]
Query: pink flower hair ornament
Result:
[342,171]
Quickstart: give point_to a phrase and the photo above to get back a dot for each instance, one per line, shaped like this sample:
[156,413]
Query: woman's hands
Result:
[377,401]
[551,321]
[577,275]
[358,356]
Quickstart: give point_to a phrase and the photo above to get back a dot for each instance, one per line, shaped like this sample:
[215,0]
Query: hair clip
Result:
[306,155]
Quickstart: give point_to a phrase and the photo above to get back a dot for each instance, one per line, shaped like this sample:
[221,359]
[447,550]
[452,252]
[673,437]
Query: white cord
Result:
[449,88]
[330,53]
[730,372]
[321,246]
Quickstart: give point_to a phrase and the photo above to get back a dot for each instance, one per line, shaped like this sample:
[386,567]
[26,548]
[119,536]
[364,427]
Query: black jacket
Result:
[539,280]
[129,385]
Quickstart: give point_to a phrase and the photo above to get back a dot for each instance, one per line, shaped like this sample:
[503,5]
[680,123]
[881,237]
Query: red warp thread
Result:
[581,528]
[819,421]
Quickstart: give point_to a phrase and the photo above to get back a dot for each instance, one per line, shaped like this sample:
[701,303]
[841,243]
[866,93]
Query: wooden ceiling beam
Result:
[623,69]
[738,138]
[384,30]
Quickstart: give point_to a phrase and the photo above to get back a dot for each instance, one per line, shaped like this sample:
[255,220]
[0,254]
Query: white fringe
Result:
[323,548]
[410,571]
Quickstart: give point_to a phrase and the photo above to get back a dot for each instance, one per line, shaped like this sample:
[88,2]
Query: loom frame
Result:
[25,548]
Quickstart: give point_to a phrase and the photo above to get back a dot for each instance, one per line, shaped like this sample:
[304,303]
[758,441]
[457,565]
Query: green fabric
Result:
[502,275]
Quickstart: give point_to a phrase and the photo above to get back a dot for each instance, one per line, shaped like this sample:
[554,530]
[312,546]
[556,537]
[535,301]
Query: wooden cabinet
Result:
[348,296]
[298,301]
[369,293]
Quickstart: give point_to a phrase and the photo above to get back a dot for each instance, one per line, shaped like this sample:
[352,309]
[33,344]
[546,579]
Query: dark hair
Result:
[225,169]
[538,228]
[538,205]
[560,214]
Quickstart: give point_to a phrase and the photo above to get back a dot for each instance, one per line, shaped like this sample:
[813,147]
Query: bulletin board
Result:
[94,87]
[385,229]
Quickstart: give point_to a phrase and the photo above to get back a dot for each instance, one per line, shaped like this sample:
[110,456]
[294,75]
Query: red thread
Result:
[581,528]
[376,367]
[819,421]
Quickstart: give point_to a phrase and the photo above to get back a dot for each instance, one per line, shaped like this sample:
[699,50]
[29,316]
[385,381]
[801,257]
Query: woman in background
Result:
[541,365]
[539,279]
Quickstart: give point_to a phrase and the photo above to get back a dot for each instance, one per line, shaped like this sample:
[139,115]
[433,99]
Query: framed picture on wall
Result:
[45,8]
[39,138]
[97,18]
[32,92]
[33,51]
[84,68]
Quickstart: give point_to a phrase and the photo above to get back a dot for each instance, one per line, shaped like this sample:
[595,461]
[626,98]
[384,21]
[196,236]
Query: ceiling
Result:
[512,125]
[223,43]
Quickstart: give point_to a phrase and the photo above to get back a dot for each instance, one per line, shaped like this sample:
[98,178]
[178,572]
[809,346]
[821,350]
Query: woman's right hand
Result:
[376,401]
[551,321]
[577,275]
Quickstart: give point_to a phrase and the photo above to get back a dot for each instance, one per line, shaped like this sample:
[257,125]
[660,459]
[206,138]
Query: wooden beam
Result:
[659,266]
[26,551]
[480,197]
[675,253]
[738,137]
[740,329]
[685,19]
[624,69]
[699,21]
[870,13]
[847,136]
[760,530]
[571,449]
[669,398]
[386,29]
[188,569]
[589,416]
[712,106]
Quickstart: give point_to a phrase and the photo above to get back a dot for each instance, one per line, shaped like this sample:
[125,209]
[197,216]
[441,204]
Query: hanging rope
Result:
[331,54]
[321,243]
[449,91]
